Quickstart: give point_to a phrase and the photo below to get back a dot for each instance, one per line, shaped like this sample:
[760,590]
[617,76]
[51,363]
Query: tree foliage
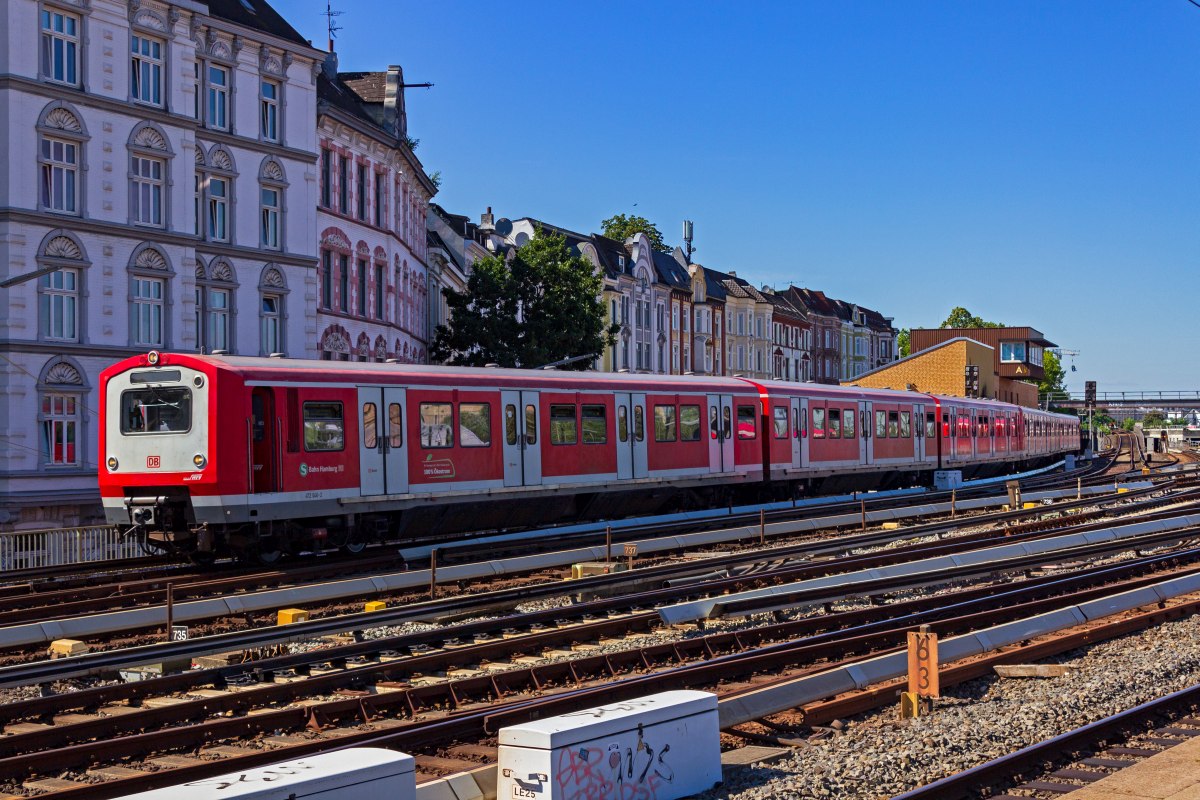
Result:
[904,342]
[1155,419]
[1054,382]
[535,307]
[621,227]
[961,318]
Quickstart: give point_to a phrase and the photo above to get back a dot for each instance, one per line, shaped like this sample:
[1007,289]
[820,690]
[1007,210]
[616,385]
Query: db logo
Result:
[153,462]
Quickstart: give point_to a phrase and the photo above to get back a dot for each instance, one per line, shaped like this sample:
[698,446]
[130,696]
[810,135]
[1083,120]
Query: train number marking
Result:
[153,462]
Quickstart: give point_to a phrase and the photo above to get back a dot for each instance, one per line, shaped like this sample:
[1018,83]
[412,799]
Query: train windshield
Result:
[156,410]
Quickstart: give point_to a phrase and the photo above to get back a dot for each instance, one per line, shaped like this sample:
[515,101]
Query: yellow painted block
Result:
[67,647]
[891,526]
[287,616]
[1145,470]
[910,705]
[1122,489]
[585,569]
[1030,505]
[375,605]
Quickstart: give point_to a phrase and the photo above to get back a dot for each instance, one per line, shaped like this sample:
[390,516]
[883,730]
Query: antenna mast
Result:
[687,241]
[333,27]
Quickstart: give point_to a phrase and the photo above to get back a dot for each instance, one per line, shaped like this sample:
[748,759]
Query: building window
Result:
[379,201]
[361,195]
[271,340]
[269,111]
[218,210]
[1012,351]
[362,287]
[146,67]
[270,217]
[217,319]
[148,302]
[326,279]
[344,282]
[326,178]
[60,47]
[379,291]
[60,429]
[218,98]
[215,309]
[147,190]
[60,175]
[344,185]
[59,305]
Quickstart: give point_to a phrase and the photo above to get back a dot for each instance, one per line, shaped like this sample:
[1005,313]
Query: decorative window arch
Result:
[62,416]
[62,291]
[334,270]
[335,344]
[62,165]
[150,279]
[363,348]
[216,306]
[149,43]
[380,349]
[149,176]
[272,311]
[272,184]
[215,200]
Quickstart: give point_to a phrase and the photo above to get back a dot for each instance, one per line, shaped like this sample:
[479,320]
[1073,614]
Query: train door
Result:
[799,418]
[395,448]
[641,462]
[624,406]
[522,448]
[265,424]
[720,440]
[866,424]
[371,470]
[918,433]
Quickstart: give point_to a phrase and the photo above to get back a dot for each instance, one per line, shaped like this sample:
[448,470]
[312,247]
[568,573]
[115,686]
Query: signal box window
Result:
[595,424]
[156,410]
[747,423]
[848,424]
[689,423]
[835,423]
[664,423]
[562,425]
[818,423]
[779,420]
[475,424]
[324,427]
[437,426]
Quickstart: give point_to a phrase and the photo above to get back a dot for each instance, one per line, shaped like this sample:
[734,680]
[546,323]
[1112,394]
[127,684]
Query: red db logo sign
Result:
[153,462]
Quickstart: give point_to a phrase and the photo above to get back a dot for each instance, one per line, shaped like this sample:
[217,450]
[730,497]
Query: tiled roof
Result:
[337,95]
[371,87]
[256,14]
[671,272]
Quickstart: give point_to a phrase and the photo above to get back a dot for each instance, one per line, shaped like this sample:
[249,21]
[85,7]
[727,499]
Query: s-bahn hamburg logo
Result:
[303,470]
[442,468]
[306,470]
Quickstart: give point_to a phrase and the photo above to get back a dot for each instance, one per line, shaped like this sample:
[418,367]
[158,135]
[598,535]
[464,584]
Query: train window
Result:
[370,427]
[714,424]
[259,414]
[893,424]
[747,422]
[930,425]
[727,422]
[510,424]
[475,424]
[530,424]
[835,423]
[437,425]
[156,410]
[780,420]
[881,424]
[639,424]
[905,425]
[562,425]
[595,425]
[395,425]
[818,423]
[945,425]
[324,427]
[623,423]
[689,423]
[664,423]
[848,423]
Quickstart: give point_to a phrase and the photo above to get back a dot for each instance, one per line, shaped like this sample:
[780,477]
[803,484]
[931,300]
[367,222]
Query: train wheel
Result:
[353,543]
[267,554]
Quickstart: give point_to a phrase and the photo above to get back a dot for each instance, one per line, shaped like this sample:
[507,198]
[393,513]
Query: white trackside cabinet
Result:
[360,773]
[663,746]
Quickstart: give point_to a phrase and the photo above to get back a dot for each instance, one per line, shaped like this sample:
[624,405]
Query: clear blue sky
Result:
[1036,162]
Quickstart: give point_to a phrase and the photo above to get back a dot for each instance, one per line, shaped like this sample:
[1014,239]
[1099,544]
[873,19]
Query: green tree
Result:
[1127,424]
[539,306]
[961,318]
[1054,381]
[1155,419]
[904,342]
[621,227]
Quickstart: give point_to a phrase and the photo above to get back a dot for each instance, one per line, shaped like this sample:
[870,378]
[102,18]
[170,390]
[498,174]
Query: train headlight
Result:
[152,357]
[112,464]
[200,461]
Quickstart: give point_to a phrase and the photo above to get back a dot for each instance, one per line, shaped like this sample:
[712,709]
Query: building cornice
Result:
[152,114]
[51,222]
[326,109]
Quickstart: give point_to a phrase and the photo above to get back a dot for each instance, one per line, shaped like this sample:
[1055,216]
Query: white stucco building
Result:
[157,191]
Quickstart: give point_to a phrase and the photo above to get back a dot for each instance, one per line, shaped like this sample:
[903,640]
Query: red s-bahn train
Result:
[259,456]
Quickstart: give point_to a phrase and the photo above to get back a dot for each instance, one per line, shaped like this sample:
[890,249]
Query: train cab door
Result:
[264,440]
[641,458]
[395,448]
[918,433]
[866,433]
[799,426]
[372,475]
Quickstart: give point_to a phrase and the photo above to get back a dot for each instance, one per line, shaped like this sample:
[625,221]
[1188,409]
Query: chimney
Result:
[732,274]
[487,221]
[330,66]
[395,120]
